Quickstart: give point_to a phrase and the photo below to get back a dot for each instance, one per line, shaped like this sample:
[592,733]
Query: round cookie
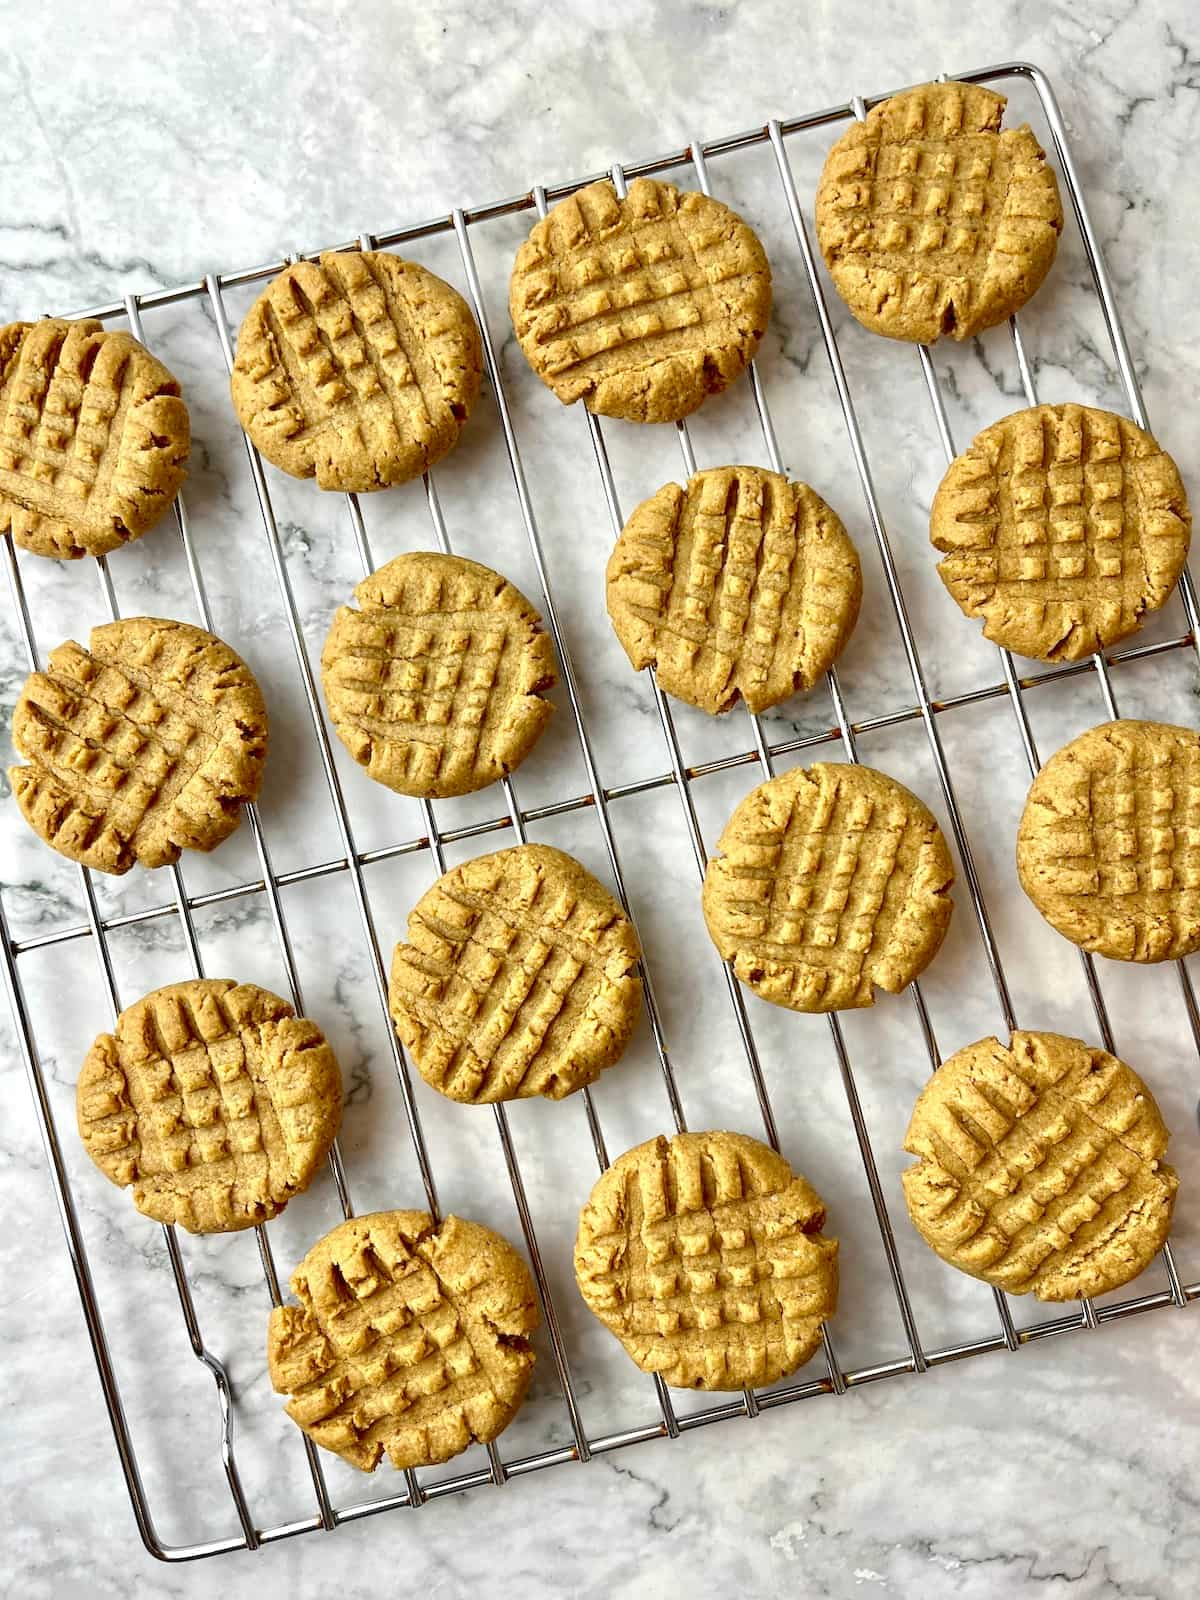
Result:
[1108,848]
[144,744]
[520,978]
[1040,1167]
[740,584]
[359,369]
[94,442]
[931,220]
[640,307]
[435,684]
[830,881]
[411,1337]
[1061,526]
[212,1102]
[704,1255]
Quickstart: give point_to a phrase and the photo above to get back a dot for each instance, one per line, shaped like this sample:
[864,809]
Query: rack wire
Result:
[599,797]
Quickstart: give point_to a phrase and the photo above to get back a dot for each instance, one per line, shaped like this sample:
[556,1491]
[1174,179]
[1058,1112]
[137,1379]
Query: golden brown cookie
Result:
[704,1255]
[435,684]
[212,1102]
[740,584]
[1108,848]
[1061,525]
[411,1336]
[830,881]
[145,744]
[359,369]
[520,978]
[931,220]
[94,439]
[1040,1167]
[640,307]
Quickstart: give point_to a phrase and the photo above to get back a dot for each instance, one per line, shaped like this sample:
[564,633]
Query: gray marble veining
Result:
[146,147]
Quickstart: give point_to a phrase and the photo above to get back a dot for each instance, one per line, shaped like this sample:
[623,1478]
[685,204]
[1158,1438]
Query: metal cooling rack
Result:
[599,797]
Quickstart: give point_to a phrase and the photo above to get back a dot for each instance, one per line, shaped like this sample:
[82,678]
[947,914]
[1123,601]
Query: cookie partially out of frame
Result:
[742,584]
[829,881]
[411,1337]
[640,307]
[1061,526]
[359,369]
[94,439]
[1108,848]
[143,745]
[436,682]
[211,1102]
[1040,1167]
[704,1255]
[519,978]
[932,221]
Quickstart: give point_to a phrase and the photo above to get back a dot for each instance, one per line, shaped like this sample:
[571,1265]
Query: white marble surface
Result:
[146,145]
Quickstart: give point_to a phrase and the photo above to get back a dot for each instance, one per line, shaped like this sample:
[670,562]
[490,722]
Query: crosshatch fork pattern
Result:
[921,194]
[1033,1161]
[92,436]
[669,276]
[208,1101]
[459,224]
[515,981]
[123,741]
[356,354]
[1066,515]
[827,883]
[1169,816]
[433,685]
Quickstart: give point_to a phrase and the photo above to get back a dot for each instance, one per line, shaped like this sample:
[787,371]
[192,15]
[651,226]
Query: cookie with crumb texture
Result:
[1108,847]
[704,1254]
[1040,1167]
[409,1338]
[641,306]
[932,220]
[359,369]
[147,743]
[94,438]
[519,977]
[211,1102]
[437,678]
[829,882]
[1062,527]
[742,585]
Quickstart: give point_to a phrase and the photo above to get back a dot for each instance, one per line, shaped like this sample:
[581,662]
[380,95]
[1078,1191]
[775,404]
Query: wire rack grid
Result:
[598,797]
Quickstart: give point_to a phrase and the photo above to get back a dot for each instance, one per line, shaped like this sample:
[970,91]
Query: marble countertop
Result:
[146,146]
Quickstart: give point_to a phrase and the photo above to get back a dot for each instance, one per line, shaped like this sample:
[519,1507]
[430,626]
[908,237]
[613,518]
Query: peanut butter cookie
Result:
[1108,848]
[436,683]
[145,744]
[740,584]
[94,439]
[704,1255]
[931,220]
[411,1337]
[640,307]
[830,881]
[211,1102]
[1061,526]
[520,978]
[359,370]
[1040,1167]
